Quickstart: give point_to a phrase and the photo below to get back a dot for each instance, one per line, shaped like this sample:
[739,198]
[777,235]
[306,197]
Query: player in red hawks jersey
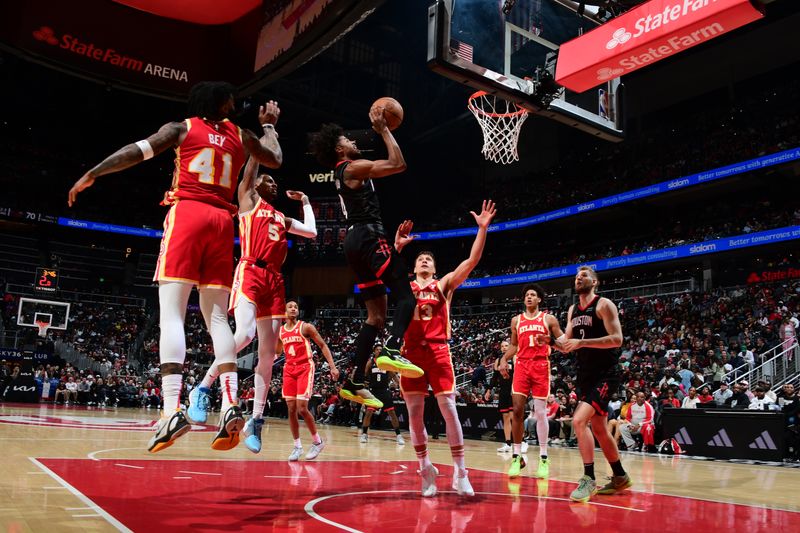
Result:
[426,346]
[298,376]
[197,247]
[531,332]
[258,297]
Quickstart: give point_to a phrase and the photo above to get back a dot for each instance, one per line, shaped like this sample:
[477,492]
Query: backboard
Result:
[513,55]
[32,310]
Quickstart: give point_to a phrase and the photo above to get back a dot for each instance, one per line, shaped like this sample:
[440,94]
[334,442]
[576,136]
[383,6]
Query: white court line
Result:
[102,512]
[289,477]
[91,455]
[350,477]
[181,477]
[129,466]
[199,473]
[309,507]
[397,472]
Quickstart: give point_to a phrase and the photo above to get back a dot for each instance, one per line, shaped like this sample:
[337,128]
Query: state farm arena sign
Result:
[651,32]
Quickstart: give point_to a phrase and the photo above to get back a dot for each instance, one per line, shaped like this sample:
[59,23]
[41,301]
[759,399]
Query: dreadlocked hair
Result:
[323,144]
[207,98]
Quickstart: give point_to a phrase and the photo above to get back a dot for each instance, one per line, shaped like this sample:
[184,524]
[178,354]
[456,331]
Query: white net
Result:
[501,122]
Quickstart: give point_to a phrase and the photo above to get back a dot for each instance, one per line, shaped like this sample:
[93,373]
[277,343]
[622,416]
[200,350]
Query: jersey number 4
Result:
[203,165]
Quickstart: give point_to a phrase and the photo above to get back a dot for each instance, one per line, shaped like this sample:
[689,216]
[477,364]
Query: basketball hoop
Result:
[501,122]
[42,325]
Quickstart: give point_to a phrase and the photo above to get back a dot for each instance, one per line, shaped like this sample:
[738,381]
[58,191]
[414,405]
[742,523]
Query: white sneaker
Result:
[505,448]
[168,429]
[363,439]
[524,447]
[462,485]
[313,452]
[296,453]
[400,441]
[428,474]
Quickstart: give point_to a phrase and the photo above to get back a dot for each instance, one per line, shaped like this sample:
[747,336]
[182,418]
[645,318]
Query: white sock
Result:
[542,426]
[171,391]
[210,377]
[455,436]
[229,384]
[517,448]
[316,439]
[297,443]
[260,399]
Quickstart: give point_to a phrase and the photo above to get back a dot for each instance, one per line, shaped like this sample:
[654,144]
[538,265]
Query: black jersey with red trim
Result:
[587,324]
[360,206]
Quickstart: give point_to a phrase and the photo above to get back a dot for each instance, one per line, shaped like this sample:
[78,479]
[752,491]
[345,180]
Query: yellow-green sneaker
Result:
[517,464]
[357,393]
[543,472]
[616,484]
[585,490]
[390,360]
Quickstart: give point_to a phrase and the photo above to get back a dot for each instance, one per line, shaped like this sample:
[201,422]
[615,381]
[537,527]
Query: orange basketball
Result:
[392,111]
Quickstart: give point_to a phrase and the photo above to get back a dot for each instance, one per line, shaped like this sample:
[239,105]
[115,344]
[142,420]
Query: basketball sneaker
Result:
[505,448]
[363,439]
[252,434]
[543,472]
[461,484]
[585,490]
[400,441]
[524,448]
[231,423]
[355,392]
[517,464]
[297,451]
[199,405]
[315,449]
[616,484]
[168,429]
[428,475]
[390,360]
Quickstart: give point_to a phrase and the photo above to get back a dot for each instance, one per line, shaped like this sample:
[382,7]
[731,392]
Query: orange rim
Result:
[520,111]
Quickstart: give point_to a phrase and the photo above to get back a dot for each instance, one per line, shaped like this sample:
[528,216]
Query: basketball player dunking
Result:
[594,331]
[197,247]
[298,376]
[379,387]
[426,345]
[375,263]
[531,334]
[258,297]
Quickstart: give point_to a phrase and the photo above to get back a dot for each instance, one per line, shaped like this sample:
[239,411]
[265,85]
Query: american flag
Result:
[462,50]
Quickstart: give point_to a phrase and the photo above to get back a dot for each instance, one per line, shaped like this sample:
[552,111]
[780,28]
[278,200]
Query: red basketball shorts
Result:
[197,246]
[532,377]
[298,381]
[435,360]
[262,287]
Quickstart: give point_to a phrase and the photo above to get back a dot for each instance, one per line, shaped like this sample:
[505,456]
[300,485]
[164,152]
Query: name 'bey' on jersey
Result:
[262,232]
[295,345]
[431,321]
[527,331]
[207,163]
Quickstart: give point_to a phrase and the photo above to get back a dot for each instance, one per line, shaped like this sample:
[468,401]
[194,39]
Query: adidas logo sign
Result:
[401,418]
[483,424]
[764,442]
[682,436]
[721,440]
[467,423]
[499,425]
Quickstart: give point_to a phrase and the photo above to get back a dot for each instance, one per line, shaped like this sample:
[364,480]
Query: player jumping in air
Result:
[197,246]
[258,297]
[375,262]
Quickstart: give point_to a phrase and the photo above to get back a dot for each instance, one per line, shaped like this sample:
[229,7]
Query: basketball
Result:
[392,111]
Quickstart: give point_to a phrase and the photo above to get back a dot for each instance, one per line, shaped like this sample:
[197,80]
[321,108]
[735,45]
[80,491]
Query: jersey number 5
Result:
[203,165]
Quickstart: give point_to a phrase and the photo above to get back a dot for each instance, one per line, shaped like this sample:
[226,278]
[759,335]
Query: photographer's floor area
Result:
[79,469]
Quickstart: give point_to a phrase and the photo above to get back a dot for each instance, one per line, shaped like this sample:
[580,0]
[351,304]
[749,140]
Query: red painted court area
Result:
[152,495]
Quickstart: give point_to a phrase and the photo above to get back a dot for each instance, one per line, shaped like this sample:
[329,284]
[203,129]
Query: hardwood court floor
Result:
[78,469]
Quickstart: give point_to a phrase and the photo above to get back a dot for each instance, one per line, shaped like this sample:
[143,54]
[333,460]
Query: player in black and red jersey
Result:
[374,261]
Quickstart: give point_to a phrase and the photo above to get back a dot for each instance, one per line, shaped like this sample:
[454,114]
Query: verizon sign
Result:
[651,32]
